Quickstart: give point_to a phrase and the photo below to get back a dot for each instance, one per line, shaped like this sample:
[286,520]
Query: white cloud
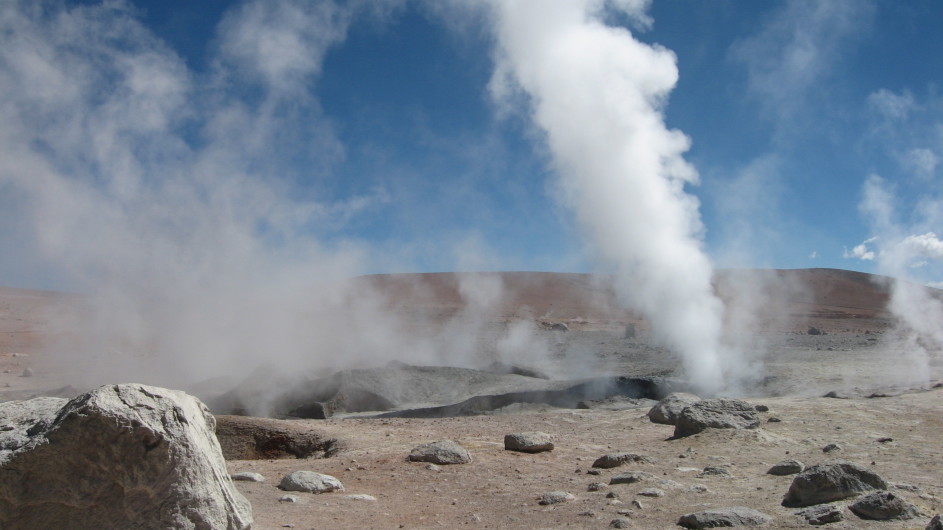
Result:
[924,245]
[861,252]
[891,105]
[814,254]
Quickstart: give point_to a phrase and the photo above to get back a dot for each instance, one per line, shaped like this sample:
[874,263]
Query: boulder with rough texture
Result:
[248,476]
[883,506]
[617,459]
[724,517]
[528,442]
[441,452]
[667,410]
[121,456]
[936,523]
[786,467]
[831,481]
[821,514]
[716,414]
[631,477]
[310,482]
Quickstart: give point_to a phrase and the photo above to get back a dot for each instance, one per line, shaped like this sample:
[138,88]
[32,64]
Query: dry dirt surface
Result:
[881,418]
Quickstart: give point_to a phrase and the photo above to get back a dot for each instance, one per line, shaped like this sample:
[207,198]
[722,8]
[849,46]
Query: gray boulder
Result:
[821,514]
[310,482]
[883,506]
[528,442]
[831,481]
[441,452]
[716,414]
[121,456]
[667,410]
[617,459]
[248,476]
[723,517]
[786,467]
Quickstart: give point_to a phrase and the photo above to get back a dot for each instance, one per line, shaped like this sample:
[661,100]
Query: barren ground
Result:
[857,357]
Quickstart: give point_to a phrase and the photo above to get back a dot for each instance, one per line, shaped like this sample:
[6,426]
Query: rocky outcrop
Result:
[736,516]
[528,442]
[668,409]
[716,414]
[441,452]
[121,456]
[831,481]
[248,438]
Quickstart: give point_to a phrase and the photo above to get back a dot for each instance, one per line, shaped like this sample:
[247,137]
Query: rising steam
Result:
[597,94]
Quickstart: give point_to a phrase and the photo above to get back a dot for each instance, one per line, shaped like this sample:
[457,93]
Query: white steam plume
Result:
[911,259]
[597,93]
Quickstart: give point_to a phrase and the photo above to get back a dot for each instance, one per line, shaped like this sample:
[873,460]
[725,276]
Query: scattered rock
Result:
[821,514]
[617,459]
[786,467]
[883,506]
[27,372]
[442,452]
[593,472]
[555,497]
[713,471]
[596,486]
[559,326]
[248,476]
[652,492]
[885,439]
[667,410]
[121,456]
[631,477]
[310,482]
[936,523]
[774,419]
[835,395]
[620,522]
[528,442]
[737,516]
[815,331]
[716,414]
[433,467]
[288,498]
[832,448]
[831,481]
[761,408]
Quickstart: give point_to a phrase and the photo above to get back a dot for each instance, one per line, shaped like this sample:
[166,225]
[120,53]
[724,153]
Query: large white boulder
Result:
[121,456]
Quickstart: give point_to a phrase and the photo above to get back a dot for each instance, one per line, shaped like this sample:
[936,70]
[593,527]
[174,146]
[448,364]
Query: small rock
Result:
[620,522]
[441,452]
[309,481]
[637,503]
[761,408]
[528,442]
[773,419]
[248,476]
[883,506]
[699,488]
[433,467]
[361,497]
[885,439]
[555,497]
[288,498]
[587,513]
[630,478]
[786,467]
[27,372]
[652,492]
[612,495]
[617,459]
[821,514]
[737,516]
[832,448]
[596,486]
[713,471]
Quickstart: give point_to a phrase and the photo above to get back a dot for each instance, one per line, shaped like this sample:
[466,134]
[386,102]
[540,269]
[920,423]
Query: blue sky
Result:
[387,140]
